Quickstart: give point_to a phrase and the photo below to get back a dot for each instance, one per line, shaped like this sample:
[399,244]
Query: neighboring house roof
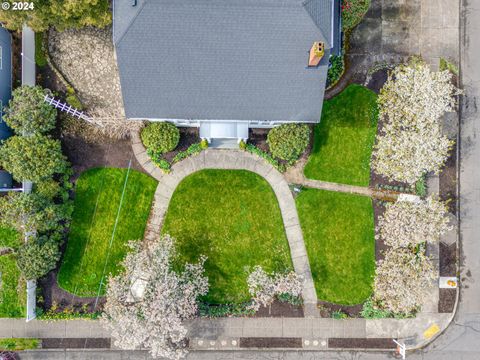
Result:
[5,78]
[223,59]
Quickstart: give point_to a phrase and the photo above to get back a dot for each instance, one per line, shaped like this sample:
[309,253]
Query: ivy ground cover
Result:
[338,230]
[12,287]
[233,218]
[344,138]
[111,206]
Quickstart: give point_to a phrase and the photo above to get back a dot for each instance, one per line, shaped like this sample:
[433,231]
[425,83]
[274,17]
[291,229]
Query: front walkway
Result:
[232,160]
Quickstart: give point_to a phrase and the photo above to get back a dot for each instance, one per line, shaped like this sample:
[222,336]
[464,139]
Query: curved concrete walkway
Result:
[232,160]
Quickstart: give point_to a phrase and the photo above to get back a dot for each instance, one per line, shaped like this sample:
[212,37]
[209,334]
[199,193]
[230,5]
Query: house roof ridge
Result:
[130,23]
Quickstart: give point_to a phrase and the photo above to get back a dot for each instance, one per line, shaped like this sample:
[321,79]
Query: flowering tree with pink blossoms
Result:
[148,302]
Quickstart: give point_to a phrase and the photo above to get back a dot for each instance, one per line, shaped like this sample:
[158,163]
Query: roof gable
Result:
[220,59]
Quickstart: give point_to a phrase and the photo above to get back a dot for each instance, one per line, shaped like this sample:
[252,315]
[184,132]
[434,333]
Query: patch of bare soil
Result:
[188,136]
[361,343]
[448,259]
[326,309]
[377,80]
[265,342]
[448,181]
[447,298]
[84,155]
[380,246]
[280,309]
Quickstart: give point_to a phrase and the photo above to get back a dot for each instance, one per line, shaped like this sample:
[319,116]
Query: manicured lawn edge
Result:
[338,230]
[232,217]
[344,138]
[98,194]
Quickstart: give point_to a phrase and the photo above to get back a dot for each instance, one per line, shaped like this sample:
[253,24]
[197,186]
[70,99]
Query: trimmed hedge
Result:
[288,141]
[160,136]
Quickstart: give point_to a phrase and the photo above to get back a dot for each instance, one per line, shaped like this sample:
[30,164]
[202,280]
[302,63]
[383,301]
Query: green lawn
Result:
[12,287]
[98,194]
[231,216]
[339,235]
[344,138]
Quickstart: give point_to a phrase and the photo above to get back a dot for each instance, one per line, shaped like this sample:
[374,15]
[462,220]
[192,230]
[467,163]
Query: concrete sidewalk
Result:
[224,333]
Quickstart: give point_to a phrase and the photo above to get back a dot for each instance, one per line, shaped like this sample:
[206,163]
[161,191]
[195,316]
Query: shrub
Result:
[27,112]
[48,189]
[35,260]
[252,149]
[40,58]
[157,159]
[335,69]
[371,310]
[160,136]
[222,310]
[32,158]
[353,12]
[339,315]
[193,149]
[204,144]
[288,141]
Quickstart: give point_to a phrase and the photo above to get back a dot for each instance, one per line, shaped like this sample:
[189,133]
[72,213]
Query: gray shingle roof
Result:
[5,79]
[222,59]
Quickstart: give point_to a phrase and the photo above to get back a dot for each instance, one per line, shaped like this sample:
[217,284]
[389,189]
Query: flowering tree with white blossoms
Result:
[265,287]
[403,280]
[410,104]
[407,223]
[416,97]
[147,303]
[405,155]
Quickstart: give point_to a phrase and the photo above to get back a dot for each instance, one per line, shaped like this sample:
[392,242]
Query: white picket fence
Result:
[67,108]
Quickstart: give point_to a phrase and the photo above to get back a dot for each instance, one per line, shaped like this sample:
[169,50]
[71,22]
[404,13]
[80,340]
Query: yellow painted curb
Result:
[431,331]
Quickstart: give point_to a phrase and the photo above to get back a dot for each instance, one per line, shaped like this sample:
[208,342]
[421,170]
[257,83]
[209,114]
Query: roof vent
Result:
[134,2]
[316,53]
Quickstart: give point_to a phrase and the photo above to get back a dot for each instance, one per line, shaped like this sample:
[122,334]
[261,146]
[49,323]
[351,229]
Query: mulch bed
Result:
[265,342]
[447,298]
[448,181]
[52,294]
[377,80]
[361,343]
[448,267]
[76,343]
[326,309]
[380,246]
[280,309]
[84,155]
[188,136]
[16,59]
[448,259]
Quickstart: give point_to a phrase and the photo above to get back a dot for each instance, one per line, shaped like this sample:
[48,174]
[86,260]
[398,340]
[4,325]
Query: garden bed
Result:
[97,222]
[361,343]
[270,342]
[448,181]
[338,230]
[344,138]
[188,136]
[232,217]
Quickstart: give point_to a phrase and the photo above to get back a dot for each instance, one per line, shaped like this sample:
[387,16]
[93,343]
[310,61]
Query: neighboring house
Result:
[224,65]
[5,94]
